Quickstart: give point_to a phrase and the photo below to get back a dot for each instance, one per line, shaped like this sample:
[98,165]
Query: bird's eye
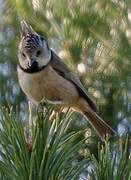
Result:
[23,54]
[38,53]
[42,38]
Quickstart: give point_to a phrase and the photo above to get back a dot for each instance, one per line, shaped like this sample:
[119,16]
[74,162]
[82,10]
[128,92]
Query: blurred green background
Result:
[92,36]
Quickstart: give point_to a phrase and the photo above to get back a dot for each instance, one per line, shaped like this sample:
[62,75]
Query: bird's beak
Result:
[26,29]
[32,63]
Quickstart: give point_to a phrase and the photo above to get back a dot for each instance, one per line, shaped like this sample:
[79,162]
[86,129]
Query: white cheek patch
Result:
[43,62]
[45,59]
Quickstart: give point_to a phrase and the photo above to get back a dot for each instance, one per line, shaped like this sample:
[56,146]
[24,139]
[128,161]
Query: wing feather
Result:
[63,70]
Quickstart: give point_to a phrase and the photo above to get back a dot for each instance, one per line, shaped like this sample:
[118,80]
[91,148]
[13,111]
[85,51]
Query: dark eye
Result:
[23,54]
[42,38]
[38,53]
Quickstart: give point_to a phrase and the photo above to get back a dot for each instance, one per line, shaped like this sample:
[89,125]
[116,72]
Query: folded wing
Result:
[63,70]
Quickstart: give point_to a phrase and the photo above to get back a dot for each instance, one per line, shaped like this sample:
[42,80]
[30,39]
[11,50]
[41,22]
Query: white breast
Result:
[31,85]
[48,85]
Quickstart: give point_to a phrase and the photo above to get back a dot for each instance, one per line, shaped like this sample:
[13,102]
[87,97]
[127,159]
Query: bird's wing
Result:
[63,70]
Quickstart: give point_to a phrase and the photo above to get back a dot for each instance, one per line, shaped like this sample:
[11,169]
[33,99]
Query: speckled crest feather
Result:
[31,41]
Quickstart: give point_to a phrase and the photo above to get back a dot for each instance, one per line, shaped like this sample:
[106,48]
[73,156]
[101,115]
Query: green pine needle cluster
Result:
[52,156]
[54,152]
[113,162]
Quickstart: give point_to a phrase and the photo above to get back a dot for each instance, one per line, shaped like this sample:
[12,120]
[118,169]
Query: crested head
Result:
[33,48]
[26,29]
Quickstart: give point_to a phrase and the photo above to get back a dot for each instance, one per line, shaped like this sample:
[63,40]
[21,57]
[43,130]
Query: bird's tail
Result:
[101,127]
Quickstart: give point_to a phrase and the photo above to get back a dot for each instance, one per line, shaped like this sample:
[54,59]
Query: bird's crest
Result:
[26,29]
[30,39]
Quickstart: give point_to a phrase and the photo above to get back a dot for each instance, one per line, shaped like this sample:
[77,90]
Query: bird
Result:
[43,76]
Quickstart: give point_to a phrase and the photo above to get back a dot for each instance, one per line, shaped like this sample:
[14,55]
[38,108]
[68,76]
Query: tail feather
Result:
[101,127]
